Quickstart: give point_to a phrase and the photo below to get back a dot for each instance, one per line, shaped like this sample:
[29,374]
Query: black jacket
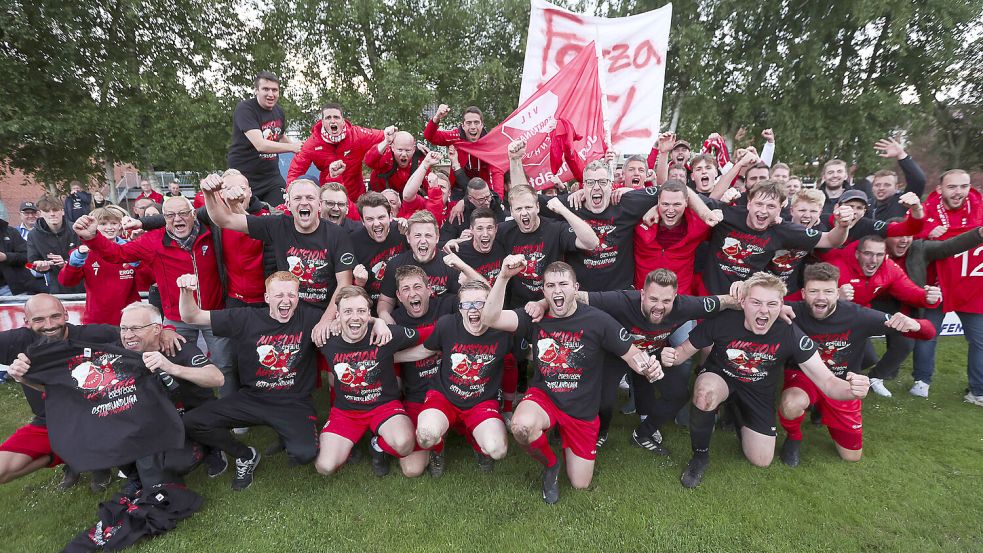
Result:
[15,275]
[41,241]
[914,179]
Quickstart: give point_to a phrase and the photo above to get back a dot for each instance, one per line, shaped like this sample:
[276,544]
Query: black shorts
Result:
[268,188]
[754,401]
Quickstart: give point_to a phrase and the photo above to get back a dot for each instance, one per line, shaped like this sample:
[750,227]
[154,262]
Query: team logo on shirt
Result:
[736,249]
[624,335]
[96,376]
[749,361]
[784,260]
[806,343]
[277,355]
[379,270]
[560,362]
[649,342]
[274,360]
[347,259]
[466,368]
[301,269]
[357,374]
[709,304]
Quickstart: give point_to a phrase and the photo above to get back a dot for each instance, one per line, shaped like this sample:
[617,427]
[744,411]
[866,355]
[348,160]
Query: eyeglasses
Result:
[590,183]
[480,200]
[135,328]
[333,204]
[469,305]
[182,214]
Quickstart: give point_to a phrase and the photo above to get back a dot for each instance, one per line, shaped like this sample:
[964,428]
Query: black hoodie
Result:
[12,270]
[41,241]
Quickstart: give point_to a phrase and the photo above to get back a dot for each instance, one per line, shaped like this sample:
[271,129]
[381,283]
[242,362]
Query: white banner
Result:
[632,71]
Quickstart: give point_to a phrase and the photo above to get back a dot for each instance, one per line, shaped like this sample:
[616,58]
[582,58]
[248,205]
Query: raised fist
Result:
[517,149]
[187,282]
[442,111]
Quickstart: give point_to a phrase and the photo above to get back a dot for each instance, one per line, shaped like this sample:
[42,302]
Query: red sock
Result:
[438,447]
[387,448]
[510,381]
[792,426]
[540,450]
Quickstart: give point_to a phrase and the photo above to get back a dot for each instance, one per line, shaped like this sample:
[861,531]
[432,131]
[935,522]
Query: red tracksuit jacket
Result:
[889,279]
[473,166]
[352,149]
[109,287]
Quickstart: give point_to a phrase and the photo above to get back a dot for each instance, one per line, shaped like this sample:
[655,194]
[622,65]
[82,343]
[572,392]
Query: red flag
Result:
[567,109]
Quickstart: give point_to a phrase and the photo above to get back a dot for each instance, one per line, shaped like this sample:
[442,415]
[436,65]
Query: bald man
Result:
[393,160]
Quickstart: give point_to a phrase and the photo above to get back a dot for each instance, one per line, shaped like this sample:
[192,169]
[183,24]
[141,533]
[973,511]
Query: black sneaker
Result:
[355,456]
[100,480]
[485,462]
[68,479]
[274,448]
[436,466]
[648,443]
[216,462]
[380,459]
[244,471]
[816,416]
[601,440]
[693,474]
[790,452]
[551,483]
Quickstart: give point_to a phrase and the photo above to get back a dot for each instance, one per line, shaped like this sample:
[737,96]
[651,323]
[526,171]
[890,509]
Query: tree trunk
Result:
[111,179]
[676,111]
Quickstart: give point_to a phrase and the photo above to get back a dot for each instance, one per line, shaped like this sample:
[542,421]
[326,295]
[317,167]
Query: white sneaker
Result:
[919,389]
[877,386]
[623,384]
[975,400]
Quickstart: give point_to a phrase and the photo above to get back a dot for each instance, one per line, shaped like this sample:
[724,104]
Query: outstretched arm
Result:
[191,313]
[221,214]
[493,315]
[854,387]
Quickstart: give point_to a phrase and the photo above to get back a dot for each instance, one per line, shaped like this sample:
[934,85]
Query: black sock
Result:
[700,430]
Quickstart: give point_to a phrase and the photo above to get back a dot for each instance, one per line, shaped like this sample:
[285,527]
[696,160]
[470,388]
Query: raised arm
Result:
[665,142]
[415,181]
[586,237]
[517,149]
[493,315]
[221,214]
[191,313]
[842,221]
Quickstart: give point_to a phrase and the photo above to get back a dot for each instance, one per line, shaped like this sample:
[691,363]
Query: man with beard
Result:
[393,160]
[477,196]
[421,233]
[367,391]
[568,351]
[463,392]
[276,360]
[334,138]
[471,129]
[335,206]
[839,329]
[749,351]
[836,182]
[49,244]
[319,254]
[670,150]
[258,137]
[376,243]
[28,449]
[747,238]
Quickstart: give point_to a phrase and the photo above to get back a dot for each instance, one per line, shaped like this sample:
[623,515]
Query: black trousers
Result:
[662,399]
[292,418]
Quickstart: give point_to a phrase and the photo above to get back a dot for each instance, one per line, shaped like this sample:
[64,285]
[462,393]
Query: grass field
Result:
[918,488]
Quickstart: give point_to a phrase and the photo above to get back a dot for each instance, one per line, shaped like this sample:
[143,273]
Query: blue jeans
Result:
[219,351]
[973,331]
[923,360]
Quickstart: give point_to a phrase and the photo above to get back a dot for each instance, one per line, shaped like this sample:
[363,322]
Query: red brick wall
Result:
[16,188]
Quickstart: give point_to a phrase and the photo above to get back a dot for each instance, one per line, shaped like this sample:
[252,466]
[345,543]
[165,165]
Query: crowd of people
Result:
[468,300]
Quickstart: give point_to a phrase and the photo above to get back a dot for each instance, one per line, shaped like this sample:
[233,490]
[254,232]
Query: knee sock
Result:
[792,426]
[381,442]
[700,430]
[539,449]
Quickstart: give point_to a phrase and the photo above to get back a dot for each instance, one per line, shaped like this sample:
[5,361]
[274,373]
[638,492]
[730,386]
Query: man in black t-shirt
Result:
[745,364]
[481,251]
[840,330]
[258,135]
[376,243]
[277,368]
[319,254]
[366,389]
[568,352]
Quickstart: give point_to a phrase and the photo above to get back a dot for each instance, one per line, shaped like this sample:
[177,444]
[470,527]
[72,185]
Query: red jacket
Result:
[109,287]
[244,264]
[154,195]
[351,149]
[889,279]
[650,255]
[958,221]
[473,166]
[383,163]
[169,261]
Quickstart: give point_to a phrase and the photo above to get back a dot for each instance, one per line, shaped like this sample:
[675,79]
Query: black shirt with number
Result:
[242,154]
[546,244]
[748,357]
[443,279]
[569,354]
[841,337]
[104,407]
[739,251]
[273,357]
[418,375]
[365,377]
[488,264]
[625,307]
[471,368]
[314,258]
[375,256]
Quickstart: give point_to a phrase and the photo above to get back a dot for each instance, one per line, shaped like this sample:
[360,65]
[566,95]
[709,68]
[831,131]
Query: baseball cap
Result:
[679,143]
[853,195]
[28,206]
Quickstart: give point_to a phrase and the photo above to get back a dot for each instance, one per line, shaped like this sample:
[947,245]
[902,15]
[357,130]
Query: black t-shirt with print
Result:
[471,368]
[376,255]
[443,279]
[314,258]
[546,244]
[418,375]
[273,357]
[625,307]
[364,374]
[242,154]
[739,251]
[841,337]
[488,264]
[611,265]
[568,354]
[747,357]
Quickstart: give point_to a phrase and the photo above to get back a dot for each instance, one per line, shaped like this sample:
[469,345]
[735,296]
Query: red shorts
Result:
[579,436]
[413,410]
[462,419]
[842,418]
[352,424]
[31,440]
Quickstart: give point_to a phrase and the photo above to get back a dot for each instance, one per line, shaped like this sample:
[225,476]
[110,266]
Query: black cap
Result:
[28,206]
[853,195]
